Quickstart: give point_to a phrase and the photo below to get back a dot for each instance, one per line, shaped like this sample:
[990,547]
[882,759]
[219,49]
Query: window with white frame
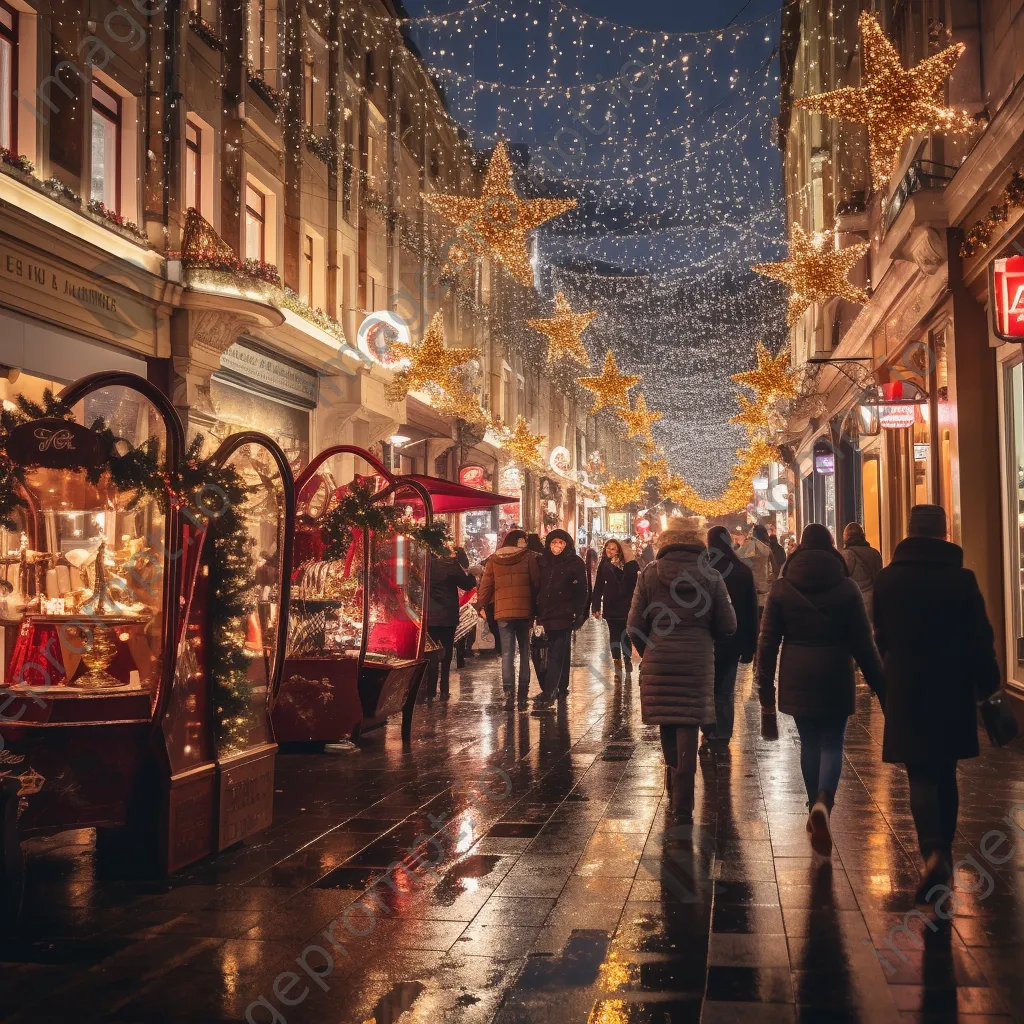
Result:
[8,76]
[262,43]
[193,166]
[309,266]
[204,10]
[255,223]
[105,183]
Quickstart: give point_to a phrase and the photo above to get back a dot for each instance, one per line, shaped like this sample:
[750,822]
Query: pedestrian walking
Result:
[510,581]
[863,561]
[613,595]
[737,648]
[938,650]
[447,578]
[777,550]
[562,603]
[679,607]
[816,614]
[646,554]
[758,555]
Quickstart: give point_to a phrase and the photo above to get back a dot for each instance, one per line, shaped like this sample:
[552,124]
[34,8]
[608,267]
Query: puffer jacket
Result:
[680,606]
[447,578]
[510,582]
[564,586]
[815,612]
[864,563]
[613,588]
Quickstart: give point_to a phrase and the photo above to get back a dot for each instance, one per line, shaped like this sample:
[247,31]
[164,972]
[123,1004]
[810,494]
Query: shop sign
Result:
[378,336]
[618,523]
[55,444]
[825,463]
[896,416]
[921,452]
[1006,295]
[256,366]
[473,476]
[511,480]
[560,460]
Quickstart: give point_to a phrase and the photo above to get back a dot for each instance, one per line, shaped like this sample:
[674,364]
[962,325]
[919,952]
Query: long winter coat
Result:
[758,556]
[739,581]
[613,588]
[938,649]
[864,563]
[816,613]
[564,593]
[447,578]
[679,607]
[510,582]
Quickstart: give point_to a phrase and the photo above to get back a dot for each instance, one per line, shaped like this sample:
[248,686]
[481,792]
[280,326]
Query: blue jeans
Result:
[821,753]
[725,699]
[515,632]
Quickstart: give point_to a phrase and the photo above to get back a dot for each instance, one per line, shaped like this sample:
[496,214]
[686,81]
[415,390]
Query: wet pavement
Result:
[516,867]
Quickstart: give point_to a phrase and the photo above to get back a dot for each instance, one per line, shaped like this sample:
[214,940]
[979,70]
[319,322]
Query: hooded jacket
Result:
[447,578]
[938,650]
[510,582]
[680,606]
[564,586]
[864,563]
[816,613]
[758,558]
[613,588]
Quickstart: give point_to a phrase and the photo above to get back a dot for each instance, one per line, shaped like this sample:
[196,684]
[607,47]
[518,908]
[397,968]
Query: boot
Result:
[618,668]
[681,797]
[821,832]
[937,872]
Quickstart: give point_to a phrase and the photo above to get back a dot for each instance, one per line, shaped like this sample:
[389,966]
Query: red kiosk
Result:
[356,636]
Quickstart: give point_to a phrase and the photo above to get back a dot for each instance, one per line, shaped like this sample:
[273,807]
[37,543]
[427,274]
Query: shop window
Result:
[8,76]
[255,224]
[872,501]
[193,166]
[1014,385]
[65,128]
[105,170]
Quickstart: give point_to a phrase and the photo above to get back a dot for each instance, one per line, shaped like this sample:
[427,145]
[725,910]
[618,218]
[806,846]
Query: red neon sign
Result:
[1006,291]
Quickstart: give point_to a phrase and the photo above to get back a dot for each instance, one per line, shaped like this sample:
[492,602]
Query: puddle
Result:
[461,877]
[579,965]
[396,1002]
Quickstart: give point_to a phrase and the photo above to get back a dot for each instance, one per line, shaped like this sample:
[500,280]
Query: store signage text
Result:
[274,373]
[894,416]
[44,277]
[1006,294]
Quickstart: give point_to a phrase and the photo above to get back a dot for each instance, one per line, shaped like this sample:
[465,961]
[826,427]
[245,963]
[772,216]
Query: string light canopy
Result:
[816,271]
[565,330]
[499,221]
[892,101]
[431,364]
[522,446]
[611,389]
[771,380]
[638,420]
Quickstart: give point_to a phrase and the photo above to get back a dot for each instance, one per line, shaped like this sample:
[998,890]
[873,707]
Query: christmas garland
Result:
[979,236]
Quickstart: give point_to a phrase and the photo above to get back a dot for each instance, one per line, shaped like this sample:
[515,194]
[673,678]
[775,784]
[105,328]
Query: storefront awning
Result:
[447,496]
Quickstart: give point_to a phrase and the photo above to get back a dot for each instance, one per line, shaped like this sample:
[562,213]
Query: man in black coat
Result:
[939,654]
[447,578]
[562,603]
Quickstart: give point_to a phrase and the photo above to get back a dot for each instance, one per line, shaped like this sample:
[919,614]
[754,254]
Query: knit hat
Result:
[682,531]
[927,521]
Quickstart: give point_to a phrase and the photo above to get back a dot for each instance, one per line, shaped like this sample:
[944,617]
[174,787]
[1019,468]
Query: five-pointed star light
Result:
[430,362]
[619,493]
[753,415]
[815,271]
[892,101]
[564,331]
[638,420]
[611,389]
[522,445]
[772,379]
[498,221]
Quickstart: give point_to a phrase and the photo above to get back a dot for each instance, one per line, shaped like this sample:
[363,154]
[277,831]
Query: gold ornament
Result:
[431,363]
[620,493]
[611,389]
[893,102]
[564,331]
[815,271]
[522,446]
[498,221]
[653,464]
[638,420]
[772,380]
[463,405]
[753,415]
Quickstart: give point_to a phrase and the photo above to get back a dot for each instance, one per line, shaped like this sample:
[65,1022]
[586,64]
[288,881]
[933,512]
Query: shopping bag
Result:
[539,649]
[998,719]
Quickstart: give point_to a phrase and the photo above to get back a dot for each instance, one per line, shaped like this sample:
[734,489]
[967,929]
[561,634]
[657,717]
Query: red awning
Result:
[447,496]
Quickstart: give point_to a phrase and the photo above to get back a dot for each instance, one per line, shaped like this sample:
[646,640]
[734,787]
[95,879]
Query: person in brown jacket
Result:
[511,580]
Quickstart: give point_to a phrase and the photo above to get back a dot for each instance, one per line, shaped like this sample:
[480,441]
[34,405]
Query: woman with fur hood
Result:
[680,606]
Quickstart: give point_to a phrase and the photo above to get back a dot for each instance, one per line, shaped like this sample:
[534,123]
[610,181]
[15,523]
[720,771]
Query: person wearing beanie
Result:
[938,650]
[562,602]
[862,560]
[680,607]
[816,615]
[613,594]
[510,581]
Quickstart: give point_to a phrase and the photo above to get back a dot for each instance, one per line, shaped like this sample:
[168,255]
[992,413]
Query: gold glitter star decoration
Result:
[620,493]
[564,331]
[892,101]
[771,380]
[753,415]
[815,271]
[611,389]
[638,420]
[497,222]
[521,445]
[430,363]
[653,464]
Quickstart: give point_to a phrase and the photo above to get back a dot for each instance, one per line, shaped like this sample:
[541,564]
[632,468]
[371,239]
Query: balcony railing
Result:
[920,174]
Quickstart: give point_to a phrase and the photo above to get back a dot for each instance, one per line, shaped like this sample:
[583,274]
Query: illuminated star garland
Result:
[622,493]
[430,363]
[752,415]
[611,389]
[772,379]
[893,102]
[816,271]
[565,330]
[638,420]
[521,445]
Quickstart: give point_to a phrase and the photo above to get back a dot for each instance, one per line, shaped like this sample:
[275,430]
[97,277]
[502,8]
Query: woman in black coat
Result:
[939,655]
[447,578]
[741,645]
[816,613]
[613,594]
[562,602]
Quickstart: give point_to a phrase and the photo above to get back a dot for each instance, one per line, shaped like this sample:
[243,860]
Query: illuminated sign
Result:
[1006,293]
[473,476]
[561,460]
[378,335]
[895,416]
[825,463]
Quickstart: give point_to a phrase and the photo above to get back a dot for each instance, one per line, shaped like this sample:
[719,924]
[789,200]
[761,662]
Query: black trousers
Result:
[679,746]
[935,804]
[445,636]
[556,679]
[618,639]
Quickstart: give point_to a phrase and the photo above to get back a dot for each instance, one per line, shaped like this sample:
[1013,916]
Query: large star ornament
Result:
[620,493]
[771,380]
[497,222]
[638,420]
[521,445]
[753,415]
[892,101]
[430,362]
[565,330]
[815,271]
[611,389]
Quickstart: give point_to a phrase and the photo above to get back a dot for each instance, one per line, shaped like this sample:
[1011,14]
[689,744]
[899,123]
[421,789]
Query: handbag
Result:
[539,647]
[999,720]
